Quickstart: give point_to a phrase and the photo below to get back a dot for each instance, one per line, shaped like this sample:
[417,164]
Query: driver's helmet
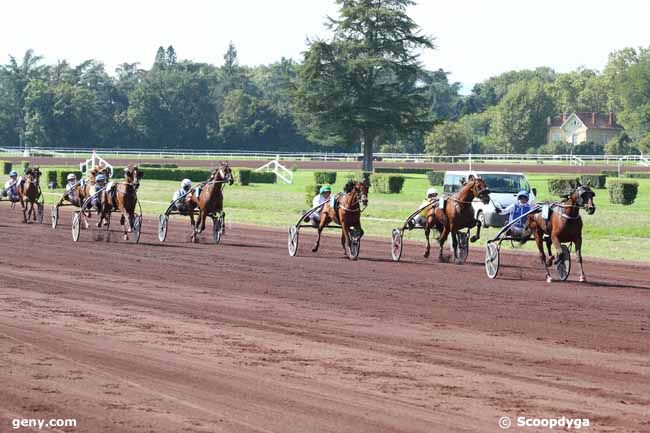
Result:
[324,189]
[71,177]
[523,194]
[100,178]
[432,192]
[186,184]
[13,173]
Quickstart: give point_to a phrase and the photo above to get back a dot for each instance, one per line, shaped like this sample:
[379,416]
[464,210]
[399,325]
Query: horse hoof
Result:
[583,279]
[549,279]
[126,238]
[313,250]
[426,255]
[473,239]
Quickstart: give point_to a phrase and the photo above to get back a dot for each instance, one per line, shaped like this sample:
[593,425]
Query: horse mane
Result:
[349,186]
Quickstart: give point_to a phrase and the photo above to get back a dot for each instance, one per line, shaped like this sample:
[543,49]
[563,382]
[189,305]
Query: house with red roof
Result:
[583,127]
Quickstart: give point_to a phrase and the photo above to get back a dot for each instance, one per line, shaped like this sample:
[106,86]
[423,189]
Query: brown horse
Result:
[347,214]
[564,224]
[458,214]
[210,199]
[29,191]
[122,196]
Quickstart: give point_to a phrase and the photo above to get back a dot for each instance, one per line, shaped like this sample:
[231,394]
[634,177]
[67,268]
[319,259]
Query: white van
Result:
[504,187]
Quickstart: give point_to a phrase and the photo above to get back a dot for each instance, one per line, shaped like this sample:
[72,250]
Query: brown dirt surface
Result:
[240,337]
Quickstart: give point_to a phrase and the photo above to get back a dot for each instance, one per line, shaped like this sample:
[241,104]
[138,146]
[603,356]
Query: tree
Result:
[364,82]
[521,119]
[448,138]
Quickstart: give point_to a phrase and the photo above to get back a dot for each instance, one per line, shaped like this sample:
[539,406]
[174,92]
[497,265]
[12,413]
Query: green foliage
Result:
[325,177]
[609,173]
[178,174]
[402,170]
[156,165]
[25,165]
[596,181]
[386,183]
[637,175]
[622,191]
[436,177]
[562,186]
[243,176]
[310,191]
[6,167]
[448,138]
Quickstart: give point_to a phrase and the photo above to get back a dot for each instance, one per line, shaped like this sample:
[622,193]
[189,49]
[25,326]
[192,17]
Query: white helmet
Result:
[431,192]
[186,183]
[71,176]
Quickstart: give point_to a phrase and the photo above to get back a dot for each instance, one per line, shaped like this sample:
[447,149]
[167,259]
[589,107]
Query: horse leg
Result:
[540,246]
[345,236]
[441,241]
[196,229]
[321,226]
[427,231]
[578,244]
[24,208]
[477,236]
[454,244]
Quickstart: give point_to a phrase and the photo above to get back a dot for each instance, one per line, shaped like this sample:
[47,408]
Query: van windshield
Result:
[506,183]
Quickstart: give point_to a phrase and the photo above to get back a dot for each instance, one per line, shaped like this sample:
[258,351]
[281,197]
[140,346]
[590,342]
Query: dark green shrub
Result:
[6,167]
[436,177]
[402,170]
[263,177]
[325,177]
[243,176]
[157,165]
[638,175]
[596,181]
[387,184]
[310,192]
[562,186]
[24,164]
[622,191]
[610,173]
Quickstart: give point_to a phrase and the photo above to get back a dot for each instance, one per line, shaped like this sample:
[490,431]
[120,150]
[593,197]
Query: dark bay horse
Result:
[210,199]
[458,214]
[122,197]
[348,213]
[29,191]
[563,225]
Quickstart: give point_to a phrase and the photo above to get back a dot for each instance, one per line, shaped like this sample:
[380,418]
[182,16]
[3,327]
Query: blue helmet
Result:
[100,177]
[523,193]
[13,173]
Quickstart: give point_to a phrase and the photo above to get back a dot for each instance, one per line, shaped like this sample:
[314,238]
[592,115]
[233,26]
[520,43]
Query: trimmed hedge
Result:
[6,167]
[325,177]
[387,184]
[596,181]
[402,170]
[622,191]
[638,175]
[562,185]
[156,165]
[436,177]
[310,192]
[610,173]
[245,176]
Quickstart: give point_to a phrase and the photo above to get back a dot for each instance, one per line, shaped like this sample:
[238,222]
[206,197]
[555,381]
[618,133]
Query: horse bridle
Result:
[580,204]
[356,202]
[477,194]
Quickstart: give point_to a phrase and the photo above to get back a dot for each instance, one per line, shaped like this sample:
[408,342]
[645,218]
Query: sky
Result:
[475,39]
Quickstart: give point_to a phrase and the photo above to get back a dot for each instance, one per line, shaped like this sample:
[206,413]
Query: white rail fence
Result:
[578,160]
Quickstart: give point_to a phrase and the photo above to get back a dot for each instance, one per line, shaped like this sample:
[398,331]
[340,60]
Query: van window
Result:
[506,183]
[452,183]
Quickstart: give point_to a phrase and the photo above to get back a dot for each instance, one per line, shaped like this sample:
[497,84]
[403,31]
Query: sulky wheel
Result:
[563,266]
[137,228]
[163,222]
[491,260]
[54,216]
[293,241]
[397,244]
[354,246]
[76,225]
[40,210]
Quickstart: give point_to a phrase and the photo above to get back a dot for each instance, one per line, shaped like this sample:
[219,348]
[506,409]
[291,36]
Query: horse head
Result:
[359,188]
[479,188]
[223,173]
[132,175]
[583,196]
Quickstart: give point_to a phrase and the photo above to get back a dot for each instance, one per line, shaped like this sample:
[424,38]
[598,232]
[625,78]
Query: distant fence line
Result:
[327,156]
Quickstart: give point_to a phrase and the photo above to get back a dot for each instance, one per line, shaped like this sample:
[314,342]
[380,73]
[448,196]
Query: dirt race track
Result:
[240,337]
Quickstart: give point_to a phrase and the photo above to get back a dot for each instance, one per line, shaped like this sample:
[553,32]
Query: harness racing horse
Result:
[347,214]
[564,225]
[29,191]
[122,196]
[458,214]
[210,198]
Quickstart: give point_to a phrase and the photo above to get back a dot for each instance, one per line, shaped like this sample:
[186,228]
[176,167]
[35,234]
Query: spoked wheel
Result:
[40,209]
[217,229]
[463,248]
[163,222]
[137,229]
[354,246]
[54,216]
[76,225]
[396,247]
[563,266]
[492,259]
[293,241]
